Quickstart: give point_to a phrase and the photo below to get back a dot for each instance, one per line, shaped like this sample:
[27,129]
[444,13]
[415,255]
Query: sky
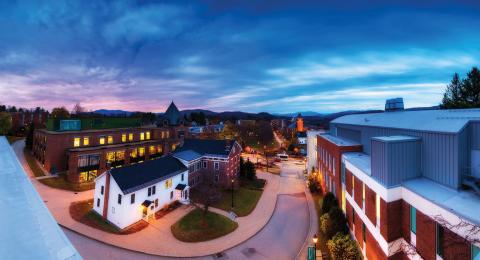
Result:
[273,56]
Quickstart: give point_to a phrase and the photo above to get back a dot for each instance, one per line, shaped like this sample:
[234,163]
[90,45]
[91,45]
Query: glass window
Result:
[94,159]
[154,190]
[86,141]
[475,252]
[133,153]
[171,195]
[110,156]
[76,142]
[130,137]
[124,138]
[141,151]
[168,183]
[159,148]
[364,233]
[98,203]
[132,198]
[204,164]
[439,240]
[149,192]
[413,220]
[156,203]
[142,136]
[147,135]
[82,160]
[110,139]
[182,177]
[101,140]
[377,208]
[119,200]
[120,155]
[102,189]
[152,149]
[216,166]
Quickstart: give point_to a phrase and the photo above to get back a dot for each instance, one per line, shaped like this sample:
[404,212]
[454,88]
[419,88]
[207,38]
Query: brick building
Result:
[83,148]
[407,181]
[21,120]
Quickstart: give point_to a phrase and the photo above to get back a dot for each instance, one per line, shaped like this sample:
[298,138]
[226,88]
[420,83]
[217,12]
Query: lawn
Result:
[11,139]
[82,212]
[322,240]
[245,199]
[37,171]
[61,182]
[194,228]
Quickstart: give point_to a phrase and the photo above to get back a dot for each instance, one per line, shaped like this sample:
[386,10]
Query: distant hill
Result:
[304,113]
[114,112]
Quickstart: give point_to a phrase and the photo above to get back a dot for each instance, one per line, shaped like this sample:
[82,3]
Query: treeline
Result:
[463,92]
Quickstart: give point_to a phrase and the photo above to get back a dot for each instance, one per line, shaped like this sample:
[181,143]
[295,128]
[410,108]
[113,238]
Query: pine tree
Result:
[463,93]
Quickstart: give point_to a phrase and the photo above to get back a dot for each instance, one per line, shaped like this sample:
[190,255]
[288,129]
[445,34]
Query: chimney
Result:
[394,104]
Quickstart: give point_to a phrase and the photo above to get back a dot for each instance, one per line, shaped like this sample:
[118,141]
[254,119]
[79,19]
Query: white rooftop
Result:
[359,160]
[462,203]
[27,229]
[448,121]
[338,141]
[396,138]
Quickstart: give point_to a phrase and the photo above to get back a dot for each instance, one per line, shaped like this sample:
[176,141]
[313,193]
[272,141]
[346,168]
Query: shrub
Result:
[329,201]
[333,222]
[250,171]
[342,247]
[325,224]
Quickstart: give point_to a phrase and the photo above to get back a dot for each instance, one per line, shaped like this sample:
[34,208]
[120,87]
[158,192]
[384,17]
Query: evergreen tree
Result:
[463,93]
[29,138]
[343,247]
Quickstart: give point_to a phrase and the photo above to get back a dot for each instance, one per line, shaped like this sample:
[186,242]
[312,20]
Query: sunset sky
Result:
[273,56]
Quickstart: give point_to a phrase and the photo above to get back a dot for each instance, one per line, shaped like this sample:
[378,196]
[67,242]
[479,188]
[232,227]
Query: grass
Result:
[322,240]
[61,182]
[244,199]
[82,212]
[11,139]
[194,228]
[32,163]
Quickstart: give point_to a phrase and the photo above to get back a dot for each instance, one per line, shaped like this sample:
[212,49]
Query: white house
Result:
[129,194]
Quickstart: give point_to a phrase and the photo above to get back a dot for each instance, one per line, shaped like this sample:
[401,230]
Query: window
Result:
[149,191]
[353,217]
[377,209]
[124,138]
[141,151]
[101,140]
[204,164]
[156,203]
[153,190]
[119,200]
[86,141]
[171,195]
[147,135]
[363,195]
[364,233]
[182,177]
[216,166]
[168,184]
[130,137]
[475,252]
[439,240]
[133,153]
[151,149]
[101,190]
[110,139]
[353,184]
[217,177]
[98,203]
[132,198]
[413,220]
[76,142]
[82,160]
[142,136]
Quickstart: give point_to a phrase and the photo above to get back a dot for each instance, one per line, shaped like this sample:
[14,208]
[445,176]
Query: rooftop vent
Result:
[394,104]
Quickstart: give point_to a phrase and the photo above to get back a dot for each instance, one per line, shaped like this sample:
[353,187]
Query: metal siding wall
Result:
[466,142]
[475,134]
[352,135]
[439,151]
[379,163]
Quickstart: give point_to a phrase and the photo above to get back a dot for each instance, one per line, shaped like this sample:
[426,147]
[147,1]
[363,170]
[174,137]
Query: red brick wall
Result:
[390,221]
[358,230]
[348,181]
[425,236]
[373,250]
[370,205]
[455,247]
[405,223]
[348,213]
[358,191]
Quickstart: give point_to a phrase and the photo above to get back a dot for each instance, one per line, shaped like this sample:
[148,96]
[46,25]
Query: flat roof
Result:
[360,160]
[396,138]
[441,120]
[338,141]
[28,230]
[111,146]
[462,203]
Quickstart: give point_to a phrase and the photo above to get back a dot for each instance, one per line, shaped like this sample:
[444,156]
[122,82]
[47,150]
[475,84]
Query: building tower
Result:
[300,123]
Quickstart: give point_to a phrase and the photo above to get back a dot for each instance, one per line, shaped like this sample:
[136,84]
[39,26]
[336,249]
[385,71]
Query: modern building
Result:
[134,193]
[28,230]
[278,124]
[408,181]
[312,162]
[126,195]
[84,147]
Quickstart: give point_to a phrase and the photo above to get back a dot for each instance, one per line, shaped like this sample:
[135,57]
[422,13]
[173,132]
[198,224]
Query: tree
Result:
[29,138]
[60,112]
[265,133]
[78,109]
[250,171]
[343,247]
[463,93]
[242,168]
[333,222]
[229,131]
[5,123]
[207,193]
[329,201]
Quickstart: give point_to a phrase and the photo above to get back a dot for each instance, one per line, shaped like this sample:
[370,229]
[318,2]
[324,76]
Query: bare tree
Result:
[206,193]
[78,109]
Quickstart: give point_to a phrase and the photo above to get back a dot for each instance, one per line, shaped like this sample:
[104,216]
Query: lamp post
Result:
[315,240]
[266,158]
[233,180]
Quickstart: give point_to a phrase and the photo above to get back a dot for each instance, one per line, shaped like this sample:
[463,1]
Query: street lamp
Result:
[315,240]
[233,180]
[266,158]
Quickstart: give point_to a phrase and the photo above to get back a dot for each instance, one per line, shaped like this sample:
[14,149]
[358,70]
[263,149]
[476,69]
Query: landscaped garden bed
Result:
[82,211]
[197,227]
[167,209]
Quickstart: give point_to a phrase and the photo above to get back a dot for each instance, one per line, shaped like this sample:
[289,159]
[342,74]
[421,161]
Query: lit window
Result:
[76,142]
[163,134]
[413,220]
[363,195]
[130,137]
[133,153]
[377,206]
[110,139]
[168,184]
[174,146]
[152,149]
[86,141]
[148,135]
[124,138]
[142,136]
[141,151]
[101,140]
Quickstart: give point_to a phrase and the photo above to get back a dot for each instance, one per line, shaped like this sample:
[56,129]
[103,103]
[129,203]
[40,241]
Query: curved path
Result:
[277,228]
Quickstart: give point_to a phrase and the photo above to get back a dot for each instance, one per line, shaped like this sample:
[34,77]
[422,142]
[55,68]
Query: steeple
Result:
[172,115]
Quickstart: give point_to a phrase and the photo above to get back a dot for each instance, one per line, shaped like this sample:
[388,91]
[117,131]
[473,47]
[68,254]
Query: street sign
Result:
[311,253]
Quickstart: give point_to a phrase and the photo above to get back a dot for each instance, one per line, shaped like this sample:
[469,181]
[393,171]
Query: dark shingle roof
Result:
[219,148]
[180,186]
[137,176]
